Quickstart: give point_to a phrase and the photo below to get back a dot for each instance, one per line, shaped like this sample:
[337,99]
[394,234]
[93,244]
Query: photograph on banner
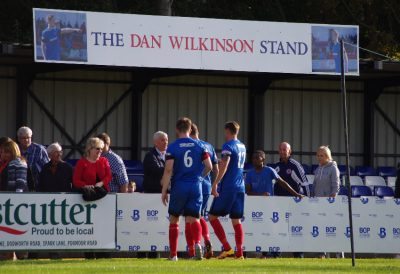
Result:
[326,49]
[60,36]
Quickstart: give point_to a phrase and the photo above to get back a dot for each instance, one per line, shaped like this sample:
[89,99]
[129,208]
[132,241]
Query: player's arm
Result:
[69,30]
[285,185]
[223,166]
[207,165]
[169,165]
[215,170]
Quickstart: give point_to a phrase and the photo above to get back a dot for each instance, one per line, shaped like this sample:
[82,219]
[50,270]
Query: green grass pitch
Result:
[126,266]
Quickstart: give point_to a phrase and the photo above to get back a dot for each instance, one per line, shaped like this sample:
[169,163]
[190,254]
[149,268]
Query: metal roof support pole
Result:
[371,93]
[258,85]
[140,81]
[24,78]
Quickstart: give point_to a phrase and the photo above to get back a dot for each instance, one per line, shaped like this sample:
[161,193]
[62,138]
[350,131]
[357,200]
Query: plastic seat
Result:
[343,170]
[358,191]
[356,181]
[383,191]
[391,181]
[343,191]
[375,181]
[386,171]
[133,166]
[313,168]
[138,179]
[307,169]
[310,178]
[365,171]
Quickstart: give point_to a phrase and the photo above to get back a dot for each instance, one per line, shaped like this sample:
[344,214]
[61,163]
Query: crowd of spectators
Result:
[28,166]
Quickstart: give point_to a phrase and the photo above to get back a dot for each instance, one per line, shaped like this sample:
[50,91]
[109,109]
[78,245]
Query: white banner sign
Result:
[192,43]
[272,224]
[56,222]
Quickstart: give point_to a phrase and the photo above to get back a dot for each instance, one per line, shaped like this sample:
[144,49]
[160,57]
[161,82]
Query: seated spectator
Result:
[15,174]
[327,175]
[56,175]
[119,181]
[154,163]
[92,169]
[35,154]
[131,187]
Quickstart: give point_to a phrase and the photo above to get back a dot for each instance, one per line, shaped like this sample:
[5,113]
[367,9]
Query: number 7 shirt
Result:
[188,155]
[233,178]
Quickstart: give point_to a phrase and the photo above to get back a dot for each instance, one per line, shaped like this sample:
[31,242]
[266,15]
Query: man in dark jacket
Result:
[154,162]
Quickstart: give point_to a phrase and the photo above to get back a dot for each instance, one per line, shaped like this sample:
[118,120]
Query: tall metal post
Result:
[346,139]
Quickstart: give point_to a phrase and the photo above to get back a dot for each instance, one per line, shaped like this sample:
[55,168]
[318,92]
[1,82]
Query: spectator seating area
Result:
[364,181]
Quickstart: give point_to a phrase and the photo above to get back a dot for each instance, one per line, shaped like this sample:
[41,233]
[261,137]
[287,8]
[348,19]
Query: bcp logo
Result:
[275,217]
[296,200]
[297,230]
[257,216]
[348,232]
[152,215]
[331,200]
[315,231]
[330,231]
[364,200]
[120,214]
[364,232]
[206,215]
[134,248]
[135,215]
[396,232]
[382,233]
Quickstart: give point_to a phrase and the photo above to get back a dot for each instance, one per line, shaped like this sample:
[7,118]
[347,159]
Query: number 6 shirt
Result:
[188,156]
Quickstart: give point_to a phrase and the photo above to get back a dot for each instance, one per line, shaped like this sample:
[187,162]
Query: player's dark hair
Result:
[183,125]
[49,17]
[194,130]
[233,127]
[105,138]
[259,153]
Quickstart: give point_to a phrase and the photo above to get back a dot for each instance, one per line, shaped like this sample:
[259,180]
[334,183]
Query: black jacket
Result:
[61,181]
[153,166]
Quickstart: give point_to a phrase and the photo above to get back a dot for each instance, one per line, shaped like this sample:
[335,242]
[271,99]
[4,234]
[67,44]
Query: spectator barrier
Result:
[30,221]
[33,221]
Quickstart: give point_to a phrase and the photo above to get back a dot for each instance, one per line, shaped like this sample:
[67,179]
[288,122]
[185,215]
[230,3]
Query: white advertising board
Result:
[132,40]
[272,224]
[56,222]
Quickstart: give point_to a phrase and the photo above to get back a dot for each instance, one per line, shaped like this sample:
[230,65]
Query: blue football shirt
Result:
[261,182]
[188,156]
[214,161]
[233,178]
[51,37]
